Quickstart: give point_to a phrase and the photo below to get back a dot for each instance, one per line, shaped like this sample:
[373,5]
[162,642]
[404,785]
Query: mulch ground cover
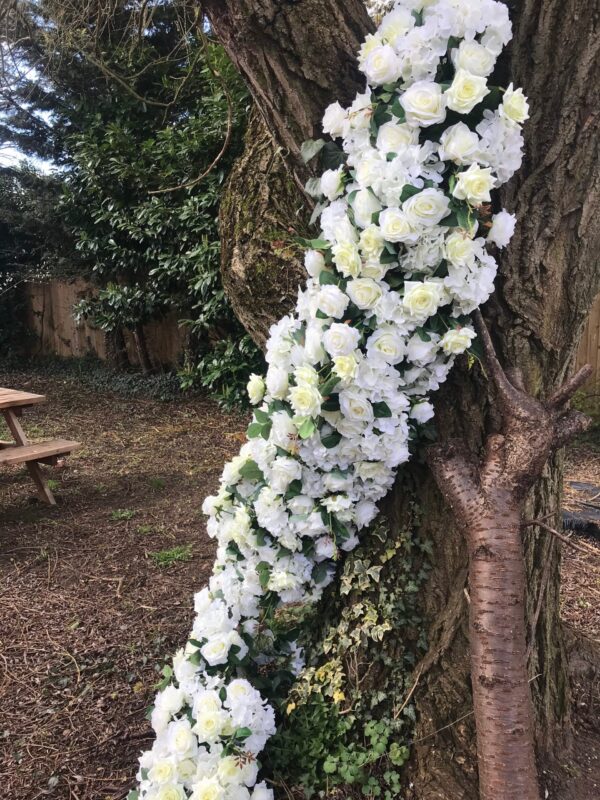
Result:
[96,593]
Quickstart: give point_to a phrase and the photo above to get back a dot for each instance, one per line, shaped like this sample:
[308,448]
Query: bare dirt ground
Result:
[96,593]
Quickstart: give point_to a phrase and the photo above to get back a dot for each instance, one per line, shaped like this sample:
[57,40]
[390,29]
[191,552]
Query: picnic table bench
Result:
[22,451]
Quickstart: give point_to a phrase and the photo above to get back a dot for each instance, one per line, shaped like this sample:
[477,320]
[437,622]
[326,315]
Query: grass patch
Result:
[121,514]
[164,558]
[145,530]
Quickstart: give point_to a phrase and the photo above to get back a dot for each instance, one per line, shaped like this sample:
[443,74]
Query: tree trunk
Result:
[296,58]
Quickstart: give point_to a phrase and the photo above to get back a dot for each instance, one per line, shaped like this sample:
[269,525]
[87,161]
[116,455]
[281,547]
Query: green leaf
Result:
[341,532]
[261,416]
[307,428]
[264,573]
[242,733]
[423,335]
[398,111]
[381,410]
[310,148]
[327,278]
[319,572]
[451,221]
[332,156]
[254,430]
[294,489]
[409,191]
[332,403]
[331,440]
[329,385]
[388,258]
[252,472]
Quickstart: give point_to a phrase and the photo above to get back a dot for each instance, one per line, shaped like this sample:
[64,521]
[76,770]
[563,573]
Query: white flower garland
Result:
[401,260]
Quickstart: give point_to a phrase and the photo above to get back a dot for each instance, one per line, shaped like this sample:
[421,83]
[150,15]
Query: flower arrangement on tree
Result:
[403,258]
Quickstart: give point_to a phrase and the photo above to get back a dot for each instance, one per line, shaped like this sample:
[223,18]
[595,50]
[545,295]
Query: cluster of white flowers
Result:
[401,260]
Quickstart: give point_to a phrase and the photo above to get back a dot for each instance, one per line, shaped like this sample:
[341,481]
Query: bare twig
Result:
[566,539]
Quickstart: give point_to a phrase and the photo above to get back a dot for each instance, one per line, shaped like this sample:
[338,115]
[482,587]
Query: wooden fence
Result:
[589,347]
[50,318]
[55,332]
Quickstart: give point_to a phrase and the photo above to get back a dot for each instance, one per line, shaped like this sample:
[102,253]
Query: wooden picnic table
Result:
[21,450]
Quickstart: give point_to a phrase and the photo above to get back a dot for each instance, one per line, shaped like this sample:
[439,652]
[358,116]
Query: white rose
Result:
[365,293]
[332,185]
[459,249]
[466,91]
[209,724]
[474,58]
[180,738]
[231,470]
[474,185]
[283,472]
[256,389]
[186,769]
[382,65]
[371,242]
[503,227]
[172,791]
[459,144]
[277,382]
[216,649]
[422,300]
[427,208]
[335,120]
[261,792]
[364,205]
[421,352]
[457,340]
[345,367]
[305,400]
[424,103]
[340,339]
[371,41]
[307,375]
[514,105]
[162,772]
[314,263]
[395,138]
[332,301]
[354,405]
[170,699]
[395,25]
[396,227]
[387,345]
[208,789]
[347,258]
[422,412]
[229,770]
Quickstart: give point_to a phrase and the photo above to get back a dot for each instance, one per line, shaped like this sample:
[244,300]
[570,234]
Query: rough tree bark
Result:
[287,52]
